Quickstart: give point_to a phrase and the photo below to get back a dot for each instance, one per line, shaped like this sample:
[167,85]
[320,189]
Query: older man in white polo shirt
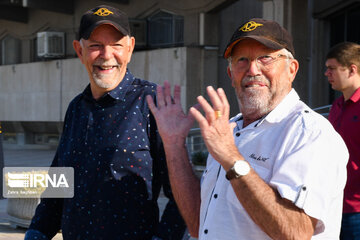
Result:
[277,170]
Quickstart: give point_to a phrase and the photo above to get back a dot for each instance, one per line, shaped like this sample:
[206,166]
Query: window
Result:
[10,50]
[165,30]
[344,27]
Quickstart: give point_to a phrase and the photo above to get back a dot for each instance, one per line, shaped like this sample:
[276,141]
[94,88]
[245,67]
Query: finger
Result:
[160,97]
[177,94]
[203,123]
[150,102]
[215,99]
[190,116]
[209,111]
[225,102]
[167,92]
[232,126]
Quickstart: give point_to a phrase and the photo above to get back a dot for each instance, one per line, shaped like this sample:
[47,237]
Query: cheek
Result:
[236,78]
[121,56]
[90,58]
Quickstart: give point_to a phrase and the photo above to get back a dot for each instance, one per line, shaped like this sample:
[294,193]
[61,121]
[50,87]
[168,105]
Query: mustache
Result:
[255,79]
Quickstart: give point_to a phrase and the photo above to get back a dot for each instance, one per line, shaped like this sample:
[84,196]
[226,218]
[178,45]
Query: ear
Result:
[353,70]
[78,49]
[293,68]
[230,76]
[131,47]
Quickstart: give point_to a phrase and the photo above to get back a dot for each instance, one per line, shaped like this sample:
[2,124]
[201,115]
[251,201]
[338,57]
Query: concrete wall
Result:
[163,64]
[41,91]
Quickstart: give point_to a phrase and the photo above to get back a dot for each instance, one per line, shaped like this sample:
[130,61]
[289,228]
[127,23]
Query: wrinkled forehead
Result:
[250,47]
[106,28]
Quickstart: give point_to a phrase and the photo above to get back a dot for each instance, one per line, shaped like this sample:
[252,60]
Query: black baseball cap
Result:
[103,14]
[268,33]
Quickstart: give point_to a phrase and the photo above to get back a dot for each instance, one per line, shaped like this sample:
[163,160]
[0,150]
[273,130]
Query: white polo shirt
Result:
[294,150]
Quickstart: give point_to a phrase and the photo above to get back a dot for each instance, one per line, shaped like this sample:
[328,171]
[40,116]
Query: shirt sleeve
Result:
[171,225]
[312,172]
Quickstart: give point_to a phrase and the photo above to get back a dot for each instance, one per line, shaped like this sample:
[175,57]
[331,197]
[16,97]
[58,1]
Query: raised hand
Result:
[172,122]
[215,128]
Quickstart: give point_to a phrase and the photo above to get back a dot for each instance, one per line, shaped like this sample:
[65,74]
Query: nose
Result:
[254,69]
[327,72]
[107,52]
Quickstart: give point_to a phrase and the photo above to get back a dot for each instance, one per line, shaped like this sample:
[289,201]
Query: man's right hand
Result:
[173,124]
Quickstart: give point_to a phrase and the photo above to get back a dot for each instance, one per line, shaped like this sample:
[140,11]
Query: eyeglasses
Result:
[263,63]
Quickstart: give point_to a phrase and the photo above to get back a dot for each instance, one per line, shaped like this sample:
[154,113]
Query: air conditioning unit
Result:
[50,44]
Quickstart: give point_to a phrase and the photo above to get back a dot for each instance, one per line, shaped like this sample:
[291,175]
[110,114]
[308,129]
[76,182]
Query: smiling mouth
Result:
[257,84]
[105,68]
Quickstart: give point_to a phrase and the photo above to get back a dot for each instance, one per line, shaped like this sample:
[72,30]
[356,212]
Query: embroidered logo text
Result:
[258,158]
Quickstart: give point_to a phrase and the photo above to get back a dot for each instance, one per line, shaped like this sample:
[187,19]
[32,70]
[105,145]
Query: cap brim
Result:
[265,41]
[92,28]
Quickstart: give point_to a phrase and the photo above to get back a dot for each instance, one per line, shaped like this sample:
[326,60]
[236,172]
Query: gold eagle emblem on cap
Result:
[250,26]
[103,12]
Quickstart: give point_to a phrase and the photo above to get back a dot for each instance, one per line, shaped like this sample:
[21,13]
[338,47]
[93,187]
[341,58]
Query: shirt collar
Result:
[356,96]
[118,93]
[285,106]
[276,115]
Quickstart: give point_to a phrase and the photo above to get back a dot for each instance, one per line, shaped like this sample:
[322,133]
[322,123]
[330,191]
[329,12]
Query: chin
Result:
[105,84]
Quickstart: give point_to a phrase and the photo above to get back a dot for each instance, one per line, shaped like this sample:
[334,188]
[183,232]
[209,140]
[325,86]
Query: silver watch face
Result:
[241,167]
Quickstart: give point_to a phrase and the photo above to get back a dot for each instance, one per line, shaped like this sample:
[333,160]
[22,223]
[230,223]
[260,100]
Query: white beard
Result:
[254,101]
[100,79]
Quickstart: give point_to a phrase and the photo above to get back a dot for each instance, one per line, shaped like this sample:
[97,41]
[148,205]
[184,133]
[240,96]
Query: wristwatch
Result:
[240,168]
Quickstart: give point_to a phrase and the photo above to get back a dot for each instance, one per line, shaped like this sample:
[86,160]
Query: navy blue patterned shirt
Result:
[119,163]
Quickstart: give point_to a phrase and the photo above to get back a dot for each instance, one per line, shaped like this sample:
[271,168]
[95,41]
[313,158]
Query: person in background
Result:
[277,170]
[343,73]
[110,139]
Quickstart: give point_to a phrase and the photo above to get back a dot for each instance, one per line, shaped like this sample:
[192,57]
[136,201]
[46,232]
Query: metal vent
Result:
[50,44]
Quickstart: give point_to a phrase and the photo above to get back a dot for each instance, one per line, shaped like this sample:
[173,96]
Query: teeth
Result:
[106,68]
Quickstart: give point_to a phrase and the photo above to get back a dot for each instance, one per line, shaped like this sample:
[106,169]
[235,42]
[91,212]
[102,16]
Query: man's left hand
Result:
[215,128]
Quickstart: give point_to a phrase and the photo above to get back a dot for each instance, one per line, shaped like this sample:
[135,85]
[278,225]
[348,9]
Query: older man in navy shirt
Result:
[110,139]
